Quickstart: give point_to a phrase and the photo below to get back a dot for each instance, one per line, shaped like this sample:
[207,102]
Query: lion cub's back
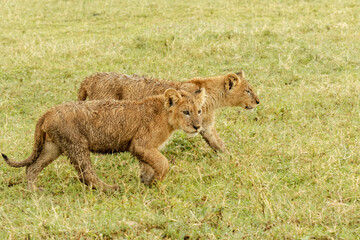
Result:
[124,87]
[107,125]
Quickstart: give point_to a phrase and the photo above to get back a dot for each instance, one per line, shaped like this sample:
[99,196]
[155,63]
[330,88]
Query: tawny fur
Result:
[222,91]
[141,126]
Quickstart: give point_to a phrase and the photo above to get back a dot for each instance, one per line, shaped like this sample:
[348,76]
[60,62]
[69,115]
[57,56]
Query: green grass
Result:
[292,170]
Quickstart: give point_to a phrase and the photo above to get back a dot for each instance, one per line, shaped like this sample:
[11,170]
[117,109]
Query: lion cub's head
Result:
[185,109]
[239,92]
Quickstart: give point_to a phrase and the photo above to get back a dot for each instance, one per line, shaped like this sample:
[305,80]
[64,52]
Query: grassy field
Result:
[292,170]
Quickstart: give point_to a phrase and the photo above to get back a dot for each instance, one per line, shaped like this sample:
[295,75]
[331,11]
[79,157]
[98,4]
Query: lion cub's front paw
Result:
[147,174]
[147,179]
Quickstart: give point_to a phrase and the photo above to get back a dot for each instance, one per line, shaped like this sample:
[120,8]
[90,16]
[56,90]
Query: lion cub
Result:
[222,91]
[141,127]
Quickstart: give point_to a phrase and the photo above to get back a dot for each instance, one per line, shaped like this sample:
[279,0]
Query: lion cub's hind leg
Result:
[82,163]
[75,146]
[48,154]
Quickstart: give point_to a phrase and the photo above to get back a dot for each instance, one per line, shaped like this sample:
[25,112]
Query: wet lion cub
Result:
[141,127]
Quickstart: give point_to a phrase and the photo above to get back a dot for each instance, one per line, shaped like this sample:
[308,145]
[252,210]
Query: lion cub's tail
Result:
[82,95]
[38,146]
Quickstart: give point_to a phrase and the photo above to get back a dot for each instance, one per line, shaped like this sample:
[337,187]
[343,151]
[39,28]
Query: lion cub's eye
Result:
[186,112]
[199,112]
[248,92]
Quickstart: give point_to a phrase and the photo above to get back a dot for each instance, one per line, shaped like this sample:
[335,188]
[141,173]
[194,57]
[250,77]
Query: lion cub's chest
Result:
[165,142]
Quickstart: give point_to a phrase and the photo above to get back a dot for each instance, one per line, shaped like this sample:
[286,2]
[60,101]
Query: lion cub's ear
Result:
[230,81]
[241,74]
[171,97]
[200,95]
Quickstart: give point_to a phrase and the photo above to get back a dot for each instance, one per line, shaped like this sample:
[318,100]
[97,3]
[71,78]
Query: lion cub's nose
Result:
[196,127]
[257,101]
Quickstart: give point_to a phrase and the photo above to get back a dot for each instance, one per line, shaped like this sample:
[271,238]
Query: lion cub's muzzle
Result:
[196,127]
[252,106]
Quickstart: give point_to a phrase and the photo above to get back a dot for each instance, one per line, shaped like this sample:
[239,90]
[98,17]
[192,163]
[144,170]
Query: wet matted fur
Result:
[140,126]
[222,91]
